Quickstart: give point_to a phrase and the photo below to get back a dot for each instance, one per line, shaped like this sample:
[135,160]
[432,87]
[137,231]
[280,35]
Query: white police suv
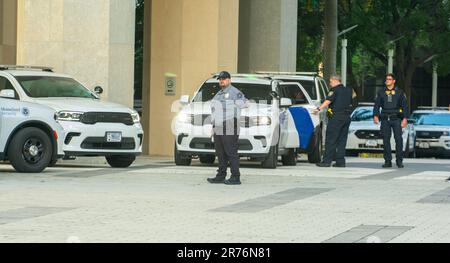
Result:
[365,136]
[30,137]
[433,132]
[278,122]
[92,127]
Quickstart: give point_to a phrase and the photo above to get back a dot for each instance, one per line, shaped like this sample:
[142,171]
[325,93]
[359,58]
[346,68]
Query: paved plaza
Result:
[156,201]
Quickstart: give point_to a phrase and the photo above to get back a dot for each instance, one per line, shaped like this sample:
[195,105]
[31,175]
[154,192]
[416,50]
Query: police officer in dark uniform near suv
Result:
[393,116]
[339,101]
[225,116]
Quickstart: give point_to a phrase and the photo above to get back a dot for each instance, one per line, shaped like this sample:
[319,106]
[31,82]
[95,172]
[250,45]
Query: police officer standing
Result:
[393,116]
[225,116]
[339,101]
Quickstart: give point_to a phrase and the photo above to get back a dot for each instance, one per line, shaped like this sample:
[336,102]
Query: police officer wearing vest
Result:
[393,117]
[225,115]
[339,101]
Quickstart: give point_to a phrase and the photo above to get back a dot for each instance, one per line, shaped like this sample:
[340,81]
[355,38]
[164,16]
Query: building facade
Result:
[184,42]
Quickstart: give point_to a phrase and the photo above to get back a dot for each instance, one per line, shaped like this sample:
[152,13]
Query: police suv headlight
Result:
[184,117]
[68,116]
[260,121]
[446,133]
[135,116]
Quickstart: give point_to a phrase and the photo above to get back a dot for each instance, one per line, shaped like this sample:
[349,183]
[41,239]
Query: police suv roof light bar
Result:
[287,73]
[21,67]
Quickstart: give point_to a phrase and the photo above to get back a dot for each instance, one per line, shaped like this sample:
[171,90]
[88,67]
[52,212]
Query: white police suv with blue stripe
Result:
[30,137]
[92,127]
[278,122]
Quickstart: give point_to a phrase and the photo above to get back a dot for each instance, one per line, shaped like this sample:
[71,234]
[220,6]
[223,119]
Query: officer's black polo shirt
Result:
[341,99]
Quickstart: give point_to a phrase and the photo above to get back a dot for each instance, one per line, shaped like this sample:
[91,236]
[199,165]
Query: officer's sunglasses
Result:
[389,79]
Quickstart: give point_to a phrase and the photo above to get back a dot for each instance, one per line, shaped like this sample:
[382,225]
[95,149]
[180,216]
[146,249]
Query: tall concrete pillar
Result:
[189,41]
[92,40]
[8,32]
[268,35]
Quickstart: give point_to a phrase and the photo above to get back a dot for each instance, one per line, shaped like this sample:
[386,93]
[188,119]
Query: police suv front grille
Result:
[99,143]
[207,144]
[429,134]
[368,134]
[107,117]
[200,119]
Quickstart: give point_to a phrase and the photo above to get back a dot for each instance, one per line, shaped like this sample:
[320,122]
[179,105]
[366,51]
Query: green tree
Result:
[423,28]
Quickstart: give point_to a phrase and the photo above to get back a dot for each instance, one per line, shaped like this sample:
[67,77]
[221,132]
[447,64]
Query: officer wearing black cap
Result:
[393,116]
[339,101]
[225,115]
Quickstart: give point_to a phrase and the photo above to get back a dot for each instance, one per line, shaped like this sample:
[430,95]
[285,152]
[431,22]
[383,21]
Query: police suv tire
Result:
[120,161]
[315,156]
[21,159]
[207,159]
[271,160]
[409,153]
[290,159]
[181,160]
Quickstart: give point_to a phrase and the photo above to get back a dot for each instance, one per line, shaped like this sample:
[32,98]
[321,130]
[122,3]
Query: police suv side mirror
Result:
[98,90]
[8,93]
[184,99]
[285,102]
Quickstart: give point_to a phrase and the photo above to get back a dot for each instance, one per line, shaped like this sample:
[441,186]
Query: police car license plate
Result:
[113,137]
[424,145]
[371,143]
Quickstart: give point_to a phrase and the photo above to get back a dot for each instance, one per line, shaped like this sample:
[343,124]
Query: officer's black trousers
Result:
[336,139]
[227,152]
[386,127]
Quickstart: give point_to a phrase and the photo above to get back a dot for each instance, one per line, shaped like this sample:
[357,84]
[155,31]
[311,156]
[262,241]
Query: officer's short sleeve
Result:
[331,96]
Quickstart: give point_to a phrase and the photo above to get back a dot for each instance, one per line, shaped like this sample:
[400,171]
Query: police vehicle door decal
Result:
[303,124]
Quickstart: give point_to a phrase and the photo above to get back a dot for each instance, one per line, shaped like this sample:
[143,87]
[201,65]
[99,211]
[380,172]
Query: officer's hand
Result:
[376,120]
[404,123]
[316,111]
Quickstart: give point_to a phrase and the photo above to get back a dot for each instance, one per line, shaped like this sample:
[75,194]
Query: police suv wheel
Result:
[207,159]
[315,156]
[120,161]
[181,160]
[290,159]
[30,150]
[271,160]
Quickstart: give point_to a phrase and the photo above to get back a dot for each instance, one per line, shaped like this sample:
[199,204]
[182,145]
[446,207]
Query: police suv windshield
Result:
[53,87]
[362,114]
[435,119]
[259,93]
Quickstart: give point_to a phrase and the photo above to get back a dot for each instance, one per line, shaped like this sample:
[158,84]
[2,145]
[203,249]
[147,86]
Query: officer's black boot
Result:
[217,180]
[234,180]
[400,164]
[387,165]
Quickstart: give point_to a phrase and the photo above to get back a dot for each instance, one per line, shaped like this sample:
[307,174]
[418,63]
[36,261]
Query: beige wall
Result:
[190,39]
[92,40]
[8,25]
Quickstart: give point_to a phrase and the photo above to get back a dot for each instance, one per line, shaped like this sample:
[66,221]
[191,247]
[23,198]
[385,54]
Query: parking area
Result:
[156,201]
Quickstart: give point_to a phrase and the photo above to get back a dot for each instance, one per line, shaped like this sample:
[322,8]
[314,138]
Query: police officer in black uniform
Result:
[225,116]
[394,116]
[339,101]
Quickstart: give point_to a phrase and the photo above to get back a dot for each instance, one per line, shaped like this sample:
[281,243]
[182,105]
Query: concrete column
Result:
[189,41]
[268,35]
[91,40]
[8,31]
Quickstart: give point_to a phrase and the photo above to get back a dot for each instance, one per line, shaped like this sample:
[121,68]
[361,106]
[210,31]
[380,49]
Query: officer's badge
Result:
[330,94]
[227,95]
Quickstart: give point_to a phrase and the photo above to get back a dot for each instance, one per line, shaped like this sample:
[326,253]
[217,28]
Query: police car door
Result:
[296,124]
